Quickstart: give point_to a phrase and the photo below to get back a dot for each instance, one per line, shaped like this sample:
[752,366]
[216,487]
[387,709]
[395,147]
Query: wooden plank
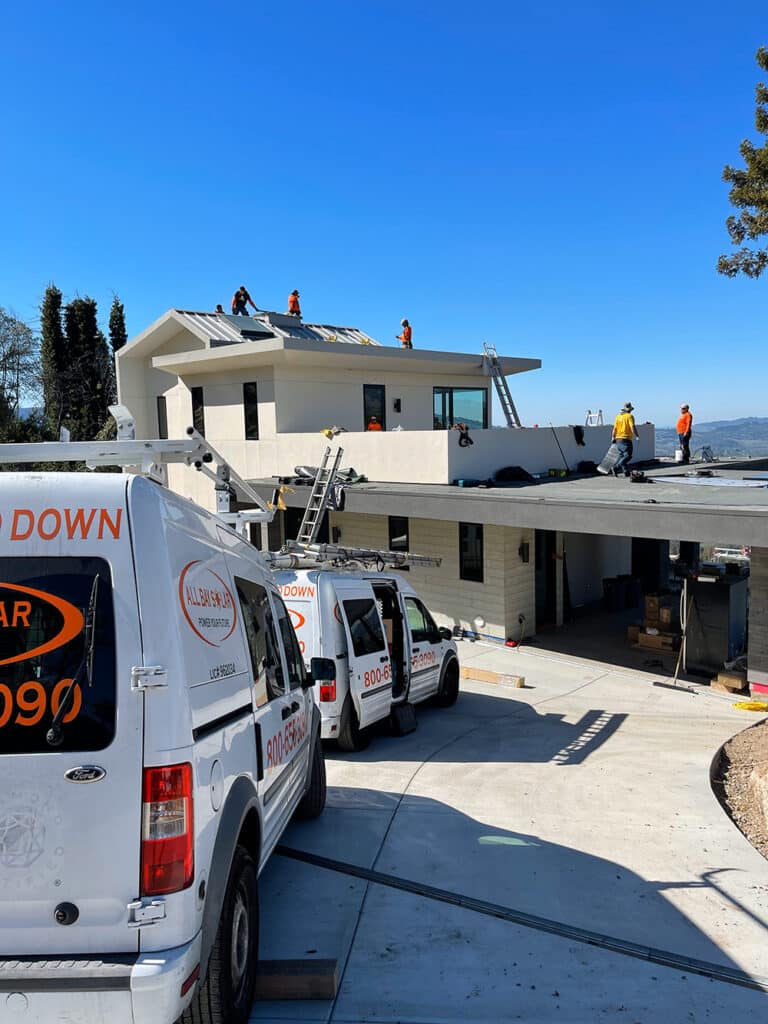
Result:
[297,979]
[480,675]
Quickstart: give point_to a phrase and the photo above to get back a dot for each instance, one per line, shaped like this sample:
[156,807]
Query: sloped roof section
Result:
[220,329]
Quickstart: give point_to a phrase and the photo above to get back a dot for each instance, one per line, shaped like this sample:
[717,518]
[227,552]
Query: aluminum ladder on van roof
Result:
[318,499]
[502,388]
[299,556]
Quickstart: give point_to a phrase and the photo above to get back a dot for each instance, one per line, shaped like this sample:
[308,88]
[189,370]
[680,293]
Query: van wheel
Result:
[449,687]
[351,736]
[313,801]
[227,994]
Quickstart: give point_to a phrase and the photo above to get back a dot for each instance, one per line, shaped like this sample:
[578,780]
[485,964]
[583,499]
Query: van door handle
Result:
[415,650]
[286,713]
[384,657]
[295,707]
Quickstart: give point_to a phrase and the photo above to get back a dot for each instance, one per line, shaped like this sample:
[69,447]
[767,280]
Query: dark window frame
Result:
[446,394]
[263,648]
[429,630]
[198,409]
[471,562]
[369,389]
[365,628]
[251,410]
[162,417]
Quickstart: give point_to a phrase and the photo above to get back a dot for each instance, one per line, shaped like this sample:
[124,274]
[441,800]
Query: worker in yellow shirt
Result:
[624,433]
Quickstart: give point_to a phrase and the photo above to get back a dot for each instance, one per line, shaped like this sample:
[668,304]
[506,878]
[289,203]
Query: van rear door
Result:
[370,670]
[70,805]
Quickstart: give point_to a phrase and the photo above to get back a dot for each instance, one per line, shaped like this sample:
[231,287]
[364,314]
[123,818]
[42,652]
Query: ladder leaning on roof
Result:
[502,388]
[318,499]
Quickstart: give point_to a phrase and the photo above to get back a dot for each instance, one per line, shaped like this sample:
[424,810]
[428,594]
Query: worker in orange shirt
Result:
[373,424]
[405,337]
[684,430]
[293,303]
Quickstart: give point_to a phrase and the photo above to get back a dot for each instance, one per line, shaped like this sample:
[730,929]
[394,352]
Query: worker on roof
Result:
[624,433]
[219,308]
[405,337]
[373,424]
[240,300]
[293,303]
[684,430]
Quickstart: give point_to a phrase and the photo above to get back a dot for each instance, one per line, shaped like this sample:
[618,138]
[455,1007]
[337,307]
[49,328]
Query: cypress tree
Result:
[749,194]
[117,332]
[89,370]
[52,357]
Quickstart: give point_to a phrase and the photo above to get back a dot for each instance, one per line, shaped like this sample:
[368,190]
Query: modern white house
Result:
[262,388]
[516,559]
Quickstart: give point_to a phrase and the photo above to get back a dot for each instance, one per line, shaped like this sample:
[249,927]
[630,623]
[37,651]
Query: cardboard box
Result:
[652,605]
[659,641]
[731,682]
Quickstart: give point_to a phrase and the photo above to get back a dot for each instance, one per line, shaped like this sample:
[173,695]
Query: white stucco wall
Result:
[592,558]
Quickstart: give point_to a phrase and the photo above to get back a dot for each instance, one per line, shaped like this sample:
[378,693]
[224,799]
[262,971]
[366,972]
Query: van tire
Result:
[313,801]
[227,995]
[351,736]
[449,685]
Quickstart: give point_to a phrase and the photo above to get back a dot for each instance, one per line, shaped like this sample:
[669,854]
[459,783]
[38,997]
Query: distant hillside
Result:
[747,436]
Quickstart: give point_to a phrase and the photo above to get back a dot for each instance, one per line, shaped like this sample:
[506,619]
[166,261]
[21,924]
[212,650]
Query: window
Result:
[42,644]
[460,405]
[293,656]
[364,626]
[262,644]
[420,622]
[398,537]
[198,411]
[162,417]
[374,405]
[471,552]
[251,410]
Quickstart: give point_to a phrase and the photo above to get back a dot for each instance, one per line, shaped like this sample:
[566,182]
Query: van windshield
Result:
[43,609]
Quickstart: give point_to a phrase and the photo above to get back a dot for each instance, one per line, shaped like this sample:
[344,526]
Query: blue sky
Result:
[547,177]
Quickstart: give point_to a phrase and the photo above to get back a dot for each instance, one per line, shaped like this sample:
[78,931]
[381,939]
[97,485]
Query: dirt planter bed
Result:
[740,781]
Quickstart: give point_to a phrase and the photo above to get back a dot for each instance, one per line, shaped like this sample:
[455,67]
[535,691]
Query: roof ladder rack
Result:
[502,388]
[318,499]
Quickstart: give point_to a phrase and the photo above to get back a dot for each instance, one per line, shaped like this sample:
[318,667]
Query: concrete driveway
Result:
[583,799]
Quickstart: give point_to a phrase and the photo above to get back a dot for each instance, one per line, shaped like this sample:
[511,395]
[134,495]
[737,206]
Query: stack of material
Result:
[661,626]
[730,682]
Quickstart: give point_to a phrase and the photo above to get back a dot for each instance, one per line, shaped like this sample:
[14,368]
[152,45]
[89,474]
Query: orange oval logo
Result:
[15,612]
[297,619]
[207,603]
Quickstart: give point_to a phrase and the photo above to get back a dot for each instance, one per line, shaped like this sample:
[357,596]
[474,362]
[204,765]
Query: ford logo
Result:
[85,773]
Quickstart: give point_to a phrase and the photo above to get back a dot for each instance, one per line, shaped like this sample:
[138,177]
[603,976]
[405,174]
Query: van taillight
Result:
[167,851]
[328,691]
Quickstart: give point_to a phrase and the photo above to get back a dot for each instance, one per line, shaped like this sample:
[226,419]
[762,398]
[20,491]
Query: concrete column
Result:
[757,652]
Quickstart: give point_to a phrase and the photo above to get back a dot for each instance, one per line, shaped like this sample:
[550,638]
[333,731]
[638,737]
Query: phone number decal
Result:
[282,744]
[30,702]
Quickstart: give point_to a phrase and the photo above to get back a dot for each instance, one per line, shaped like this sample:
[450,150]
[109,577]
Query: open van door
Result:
[370,669]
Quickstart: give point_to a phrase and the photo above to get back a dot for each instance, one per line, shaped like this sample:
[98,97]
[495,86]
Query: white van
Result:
[379,643]
[157,733]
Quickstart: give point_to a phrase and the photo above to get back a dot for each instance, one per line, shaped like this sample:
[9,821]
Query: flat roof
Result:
[668,508]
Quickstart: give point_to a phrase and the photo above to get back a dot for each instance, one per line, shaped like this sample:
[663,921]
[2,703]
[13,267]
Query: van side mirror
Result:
[322,670]
[445,633]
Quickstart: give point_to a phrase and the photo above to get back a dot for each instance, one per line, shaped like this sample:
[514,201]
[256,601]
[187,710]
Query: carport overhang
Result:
[665,509]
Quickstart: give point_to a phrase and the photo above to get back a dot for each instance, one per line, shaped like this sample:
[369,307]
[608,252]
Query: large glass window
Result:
[198,411]
[364,626]
[55,619]
[267,669]
[471,552]
[460,405]
[251,410]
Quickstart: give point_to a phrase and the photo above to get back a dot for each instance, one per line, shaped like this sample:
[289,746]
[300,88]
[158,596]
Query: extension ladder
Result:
[502,388]
[594,419]
[318,499]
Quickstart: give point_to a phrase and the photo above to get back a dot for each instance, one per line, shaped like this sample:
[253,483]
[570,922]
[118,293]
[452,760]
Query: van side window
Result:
[421,623]
[364,626]
[293,657]
[259,626]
